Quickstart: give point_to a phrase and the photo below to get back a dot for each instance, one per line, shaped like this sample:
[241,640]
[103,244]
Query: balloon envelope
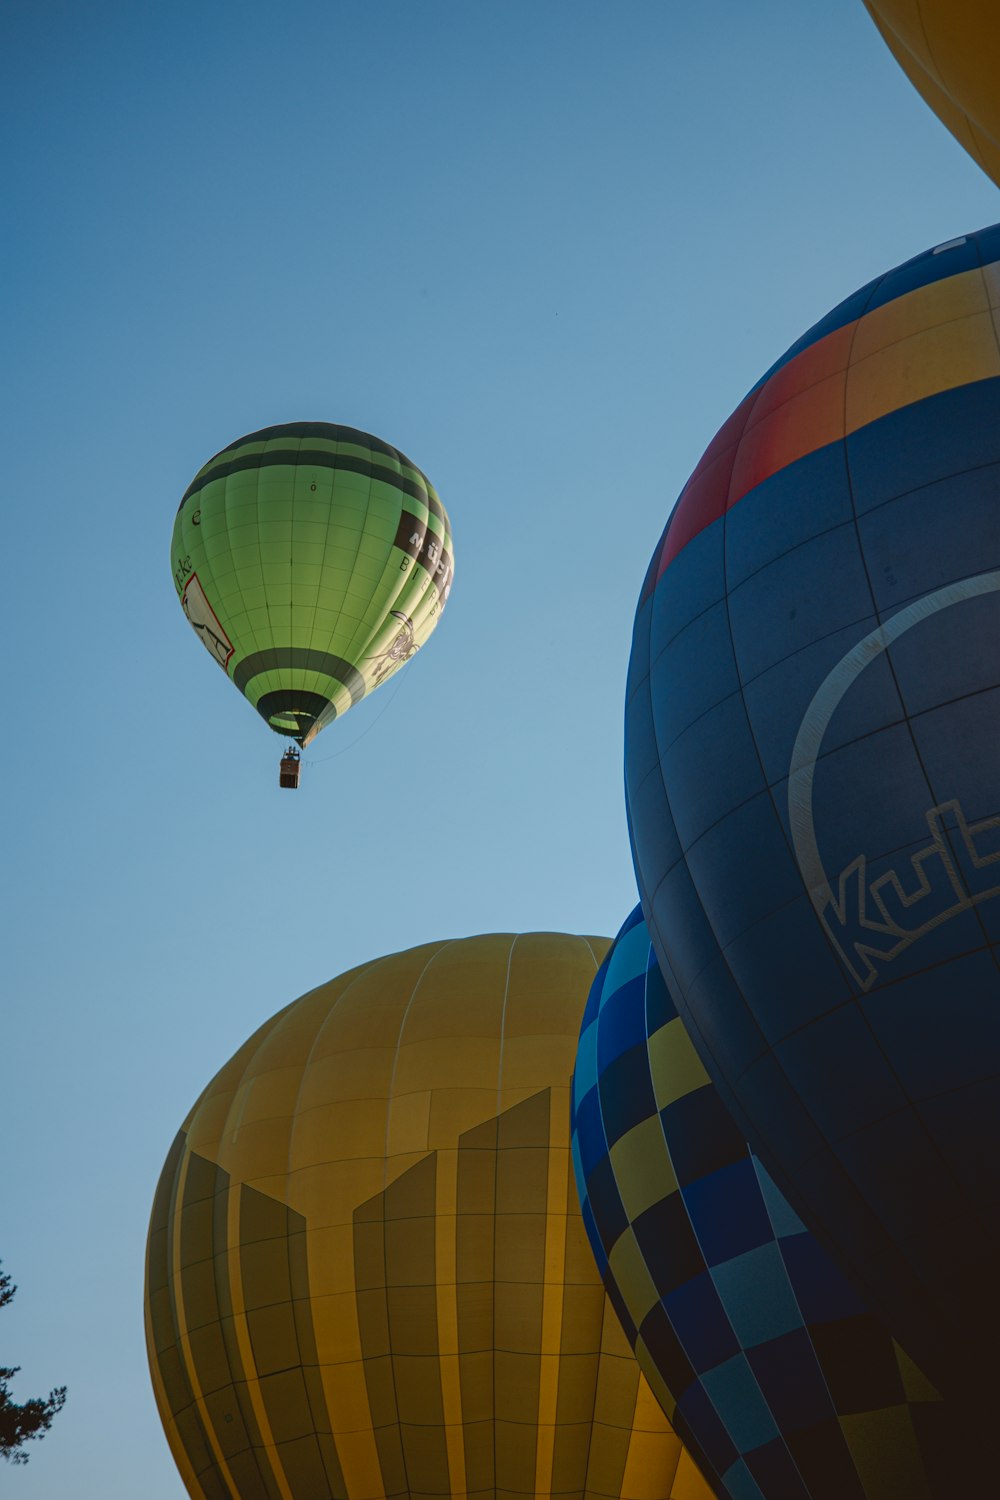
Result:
[811,774]
[312,561]
[367,1273]
[766,1360]
[950,52]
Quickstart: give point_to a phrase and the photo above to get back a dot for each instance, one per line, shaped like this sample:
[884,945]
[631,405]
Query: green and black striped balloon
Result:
[313,561]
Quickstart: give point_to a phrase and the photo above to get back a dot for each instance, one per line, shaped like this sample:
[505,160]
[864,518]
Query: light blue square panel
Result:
[740,1483]
[737,1398]
[585,1071]
[755,1291]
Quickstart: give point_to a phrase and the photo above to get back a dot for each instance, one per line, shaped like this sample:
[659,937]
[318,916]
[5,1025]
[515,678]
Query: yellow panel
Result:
[674,1065]
[631,1275]
[958,296]
[885,1453]
[933,360]
[642,1168]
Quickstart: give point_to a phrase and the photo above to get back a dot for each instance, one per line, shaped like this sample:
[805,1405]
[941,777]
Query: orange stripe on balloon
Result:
[936,338]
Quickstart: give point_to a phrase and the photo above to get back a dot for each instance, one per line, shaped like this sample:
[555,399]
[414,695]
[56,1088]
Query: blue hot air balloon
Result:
[779,1378]
[813,783]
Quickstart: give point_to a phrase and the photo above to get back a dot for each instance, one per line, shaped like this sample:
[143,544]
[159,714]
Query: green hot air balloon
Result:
[313,561]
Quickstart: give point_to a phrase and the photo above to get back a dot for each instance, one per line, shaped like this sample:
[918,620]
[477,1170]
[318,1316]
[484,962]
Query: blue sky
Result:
[544,248]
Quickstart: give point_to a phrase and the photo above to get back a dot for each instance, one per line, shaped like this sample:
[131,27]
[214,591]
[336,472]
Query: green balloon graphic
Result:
[312,561]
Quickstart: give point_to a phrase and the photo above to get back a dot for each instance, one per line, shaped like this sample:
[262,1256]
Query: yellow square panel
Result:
[273,1338]
[339,1132]
[674,1064]
[409,1253]
[418,1389]
[522,1180]
[335,1324]
[474,1300]
[330,1192]
[454,1111]
[515,1458]
[642,1168]
[518,1317]
[538,1062]
[520,1247]
[362,1073]
[940,302]
[409,1118]
[582,1315]
[516,1387]
[936,359]
[631,1275]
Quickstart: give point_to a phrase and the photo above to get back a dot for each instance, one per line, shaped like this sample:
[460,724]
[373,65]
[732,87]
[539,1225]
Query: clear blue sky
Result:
[543,246]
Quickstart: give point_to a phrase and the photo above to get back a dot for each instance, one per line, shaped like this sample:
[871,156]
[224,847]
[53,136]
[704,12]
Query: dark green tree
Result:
[19,1424]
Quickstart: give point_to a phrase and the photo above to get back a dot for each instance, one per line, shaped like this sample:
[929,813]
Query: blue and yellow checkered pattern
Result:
[767,1362]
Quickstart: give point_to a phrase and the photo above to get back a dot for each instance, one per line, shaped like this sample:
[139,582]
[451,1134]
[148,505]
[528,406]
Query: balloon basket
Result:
[290,766]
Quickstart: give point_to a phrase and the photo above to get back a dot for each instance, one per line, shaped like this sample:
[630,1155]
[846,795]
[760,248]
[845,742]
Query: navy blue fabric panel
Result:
[700,1136]
[822,1293]
[655,845]
[743,869]
[775,1471]
[836,1064]
[935,535]
[771,520]
[668,1244]
[965,1026]
[666,1350]
[950,656]
[638,662]
[853,814]
[712,769]
[626,1093]
[622,1021]
[590,1131]
[791,1381]
[811,591]
[727,1211]
[970,776]
[925,442]
[692,673]
[697,579]
[700,1323]
[768,963]
[660,1008]
[641,749]
[703,1419]
[726,1033]
[675,909]
[767,1098]
[777,700]
[960,255]
[605,1201]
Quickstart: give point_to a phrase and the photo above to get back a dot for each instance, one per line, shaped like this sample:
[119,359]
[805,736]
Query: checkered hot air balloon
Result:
[765,1358]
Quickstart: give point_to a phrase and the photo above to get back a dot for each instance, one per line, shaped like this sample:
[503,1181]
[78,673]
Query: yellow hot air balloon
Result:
[950,52]
[367,1271]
